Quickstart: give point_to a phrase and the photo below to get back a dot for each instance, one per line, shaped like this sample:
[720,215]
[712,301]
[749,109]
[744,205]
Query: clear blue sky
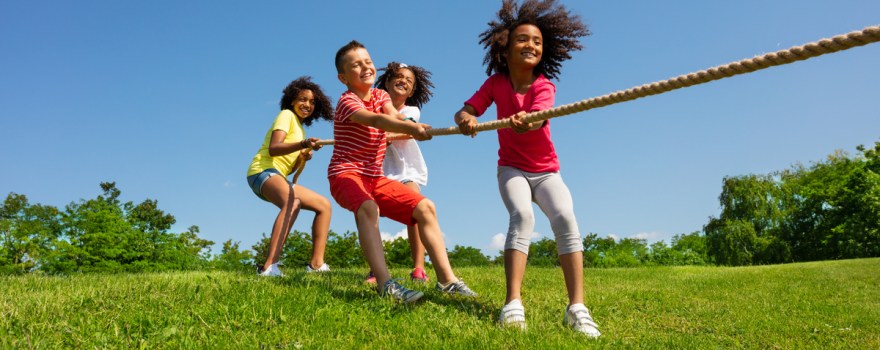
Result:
[171,100]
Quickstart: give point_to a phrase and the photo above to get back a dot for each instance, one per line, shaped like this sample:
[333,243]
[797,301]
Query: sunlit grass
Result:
[819,305]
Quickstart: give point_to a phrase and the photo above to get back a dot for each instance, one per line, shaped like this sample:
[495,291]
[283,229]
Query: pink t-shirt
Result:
[359,148]
[531,151]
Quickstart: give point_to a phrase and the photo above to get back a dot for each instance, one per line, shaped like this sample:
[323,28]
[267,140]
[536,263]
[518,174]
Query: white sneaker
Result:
[324,268]
[513,315]
[577,316]
[272,271]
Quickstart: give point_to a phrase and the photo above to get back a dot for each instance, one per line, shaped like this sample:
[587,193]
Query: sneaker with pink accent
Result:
[370,278]
[418,275]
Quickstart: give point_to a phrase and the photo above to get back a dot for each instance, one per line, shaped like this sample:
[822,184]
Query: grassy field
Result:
[819,305]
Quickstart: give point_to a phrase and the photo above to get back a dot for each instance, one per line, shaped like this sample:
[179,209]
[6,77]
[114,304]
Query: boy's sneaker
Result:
[513,315]
[418,275]
[400,293]
[457,287]
[370,278]
[324,268]
[272,271]
[578,317]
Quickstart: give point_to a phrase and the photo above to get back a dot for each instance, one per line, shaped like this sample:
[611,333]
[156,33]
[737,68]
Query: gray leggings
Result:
[519,189]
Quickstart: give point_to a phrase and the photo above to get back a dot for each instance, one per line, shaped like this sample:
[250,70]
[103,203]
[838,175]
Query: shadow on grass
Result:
[349,286]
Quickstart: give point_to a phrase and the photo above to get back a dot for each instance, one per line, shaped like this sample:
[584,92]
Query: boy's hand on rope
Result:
[517,124]
[421,132]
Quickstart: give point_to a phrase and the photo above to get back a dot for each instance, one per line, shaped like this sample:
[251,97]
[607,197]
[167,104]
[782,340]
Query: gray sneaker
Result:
[400,293]
[456,288]
[578,317]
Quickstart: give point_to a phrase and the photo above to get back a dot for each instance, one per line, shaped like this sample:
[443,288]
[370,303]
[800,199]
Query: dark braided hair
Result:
[559,27]
[322,110]
[421,86]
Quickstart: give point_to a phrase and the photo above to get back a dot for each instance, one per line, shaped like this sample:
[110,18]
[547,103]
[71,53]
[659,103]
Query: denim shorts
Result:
[256,181]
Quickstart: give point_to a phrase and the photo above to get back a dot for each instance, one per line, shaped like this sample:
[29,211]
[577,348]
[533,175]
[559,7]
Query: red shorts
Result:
[395,200]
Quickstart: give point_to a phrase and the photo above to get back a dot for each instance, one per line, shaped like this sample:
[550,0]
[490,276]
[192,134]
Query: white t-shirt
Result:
[403,158]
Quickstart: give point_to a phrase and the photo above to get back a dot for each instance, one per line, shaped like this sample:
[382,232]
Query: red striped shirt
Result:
[358,148]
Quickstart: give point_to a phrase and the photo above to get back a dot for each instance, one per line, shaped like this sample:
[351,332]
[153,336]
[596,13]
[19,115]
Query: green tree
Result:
[690,249]
[28,233]
[543,253]
[344,250]
[232,258]
[467,256]
[397,253]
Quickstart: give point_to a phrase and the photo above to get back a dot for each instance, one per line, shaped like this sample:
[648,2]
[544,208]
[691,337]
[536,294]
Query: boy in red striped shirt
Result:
[363,114]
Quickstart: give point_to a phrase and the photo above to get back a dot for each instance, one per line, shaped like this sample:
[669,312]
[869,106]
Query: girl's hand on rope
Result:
[311,143]
[468,126]
[517,124]
[307,154]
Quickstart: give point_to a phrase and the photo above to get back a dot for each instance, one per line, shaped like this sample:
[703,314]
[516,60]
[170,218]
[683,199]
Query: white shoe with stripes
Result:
[513,315]
[577,316]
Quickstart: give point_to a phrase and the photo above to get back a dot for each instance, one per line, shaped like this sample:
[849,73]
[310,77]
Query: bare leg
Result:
[278,191]
[514,271]
[417,249]
[573,271]
[320,225]
[367,218]
[429,230]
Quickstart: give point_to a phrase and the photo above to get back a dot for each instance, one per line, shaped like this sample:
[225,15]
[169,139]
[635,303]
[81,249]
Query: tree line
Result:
[827,210]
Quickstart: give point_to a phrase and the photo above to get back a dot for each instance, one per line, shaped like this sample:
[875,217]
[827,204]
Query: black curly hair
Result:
[559,27]
[323,109]
[422,84]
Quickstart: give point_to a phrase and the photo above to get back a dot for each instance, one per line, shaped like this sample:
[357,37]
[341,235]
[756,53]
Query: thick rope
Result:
[299,165]
[798,53]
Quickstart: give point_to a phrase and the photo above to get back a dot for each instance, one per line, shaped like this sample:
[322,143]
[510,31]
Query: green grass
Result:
[820,305]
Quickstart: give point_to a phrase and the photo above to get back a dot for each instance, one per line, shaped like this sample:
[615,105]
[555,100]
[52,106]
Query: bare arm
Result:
[466,120]
[388,123]
[277,146]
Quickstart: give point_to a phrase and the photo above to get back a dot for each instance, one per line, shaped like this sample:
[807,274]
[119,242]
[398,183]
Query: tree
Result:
[27,233]
[543,253]
[467,256]
[231,258]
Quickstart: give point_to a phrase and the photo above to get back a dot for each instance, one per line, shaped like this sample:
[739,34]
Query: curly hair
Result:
[323,109]
[422,84]
[559,27]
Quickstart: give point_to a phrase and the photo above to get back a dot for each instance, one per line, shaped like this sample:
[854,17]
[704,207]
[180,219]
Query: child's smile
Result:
[358,70]
[402,83]
[526,46]
[304,104]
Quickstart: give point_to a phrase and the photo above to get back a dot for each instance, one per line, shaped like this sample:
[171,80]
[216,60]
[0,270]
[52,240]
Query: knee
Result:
[524,219]
[425,209]
[368,210]
[322,205]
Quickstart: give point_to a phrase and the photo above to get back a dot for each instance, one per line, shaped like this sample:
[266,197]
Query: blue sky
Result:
[171,100]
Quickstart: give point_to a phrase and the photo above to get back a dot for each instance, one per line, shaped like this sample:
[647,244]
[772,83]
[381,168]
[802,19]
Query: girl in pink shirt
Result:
[526,46]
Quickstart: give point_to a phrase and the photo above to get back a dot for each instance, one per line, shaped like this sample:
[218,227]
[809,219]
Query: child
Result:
[283,147]
[409,88]
[363,114]
[525,48]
